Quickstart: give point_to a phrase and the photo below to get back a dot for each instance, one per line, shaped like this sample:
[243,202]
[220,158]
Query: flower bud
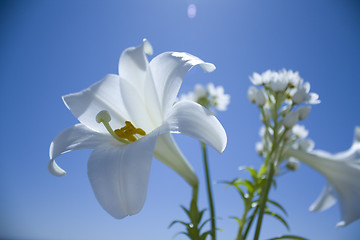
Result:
[292,164]
[252,93]
[288,134]
[260,98]
[291,119]
[306,145]
[303,112]
[259,147]
[299,96]
[265,118]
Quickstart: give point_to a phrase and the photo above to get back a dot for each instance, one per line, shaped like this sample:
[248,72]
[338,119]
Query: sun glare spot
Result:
[191,11]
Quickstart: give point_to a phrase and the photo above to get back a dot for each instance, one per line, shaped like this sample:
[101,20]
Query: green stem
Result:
[263,200]
[243,220]
[250,222]
[211,203]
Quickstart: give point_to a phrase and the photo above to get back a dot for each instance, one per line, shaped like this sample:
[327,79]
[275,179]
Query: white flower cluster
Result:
[279,99]
[288,82]
[208,97]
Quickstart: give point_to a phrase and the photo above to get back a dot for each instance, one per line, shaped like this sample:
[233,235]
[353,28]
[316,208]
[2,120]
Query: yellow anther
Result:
[140,132]
[128,132]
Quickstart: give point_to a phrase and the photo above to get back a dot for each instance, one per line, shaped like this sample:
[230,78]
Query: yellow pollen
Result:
[128,132]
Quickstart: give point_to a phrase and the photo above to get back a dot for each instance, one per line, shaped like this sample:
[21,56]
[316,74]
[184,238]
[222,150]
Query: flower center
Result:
[127,134]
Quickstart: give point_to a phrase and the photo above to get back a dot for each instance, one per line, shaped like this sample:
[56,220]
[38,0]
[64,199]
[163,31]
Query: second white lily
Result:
[342,170]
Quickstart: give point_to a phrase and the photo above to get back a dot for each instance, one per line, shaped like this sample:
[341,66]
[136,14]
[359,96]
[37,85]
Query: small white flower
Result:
[303,112]
[268,76]
[306,145]
[294,78]
[292,164]
[259,147]
[342,171]
[256,79]
[260,98]
[199,92]
[291,119]
[279,82]
[302,95]
[252,94]
[218,98]
[300,131]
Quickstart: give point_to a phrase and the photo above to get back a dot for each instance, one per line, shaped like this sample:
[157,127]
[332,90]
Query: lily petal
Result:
[194,120]
[325,200]
[342,174]
[168,153]
[133,64]
[74,138]
[138,112]
[103,95]
[119,175]
[169,69]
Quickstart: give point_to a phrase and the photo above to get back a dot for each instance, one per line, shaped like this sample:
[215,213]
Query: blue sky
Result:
[52,48]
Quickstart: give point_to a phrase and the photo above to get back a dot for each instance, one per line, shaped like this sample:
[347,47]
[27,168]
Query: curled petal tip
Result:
[54,169]
[357,134]
[341,224]
[147,47]
[208,67]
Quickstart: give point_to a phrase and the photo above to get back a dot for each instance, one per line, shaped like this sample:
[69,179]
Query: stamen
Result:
[124,134]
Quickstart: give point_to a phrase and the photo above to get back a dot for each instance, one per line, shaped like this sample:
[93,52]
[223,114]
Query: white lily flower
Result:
[342,170]
[140,104]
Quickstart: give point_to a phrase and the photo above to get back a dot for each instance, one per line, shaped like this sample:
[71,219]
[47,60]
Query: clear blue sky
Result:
[52,48]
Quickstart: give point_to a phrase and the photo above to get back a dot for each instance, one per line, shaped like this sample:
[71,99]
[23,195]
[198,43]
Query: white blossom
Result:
[139,102]
[342,171]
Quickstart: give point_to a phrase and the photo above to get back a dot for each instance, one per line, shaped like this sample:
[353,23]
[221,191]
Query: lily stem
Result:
[209,191]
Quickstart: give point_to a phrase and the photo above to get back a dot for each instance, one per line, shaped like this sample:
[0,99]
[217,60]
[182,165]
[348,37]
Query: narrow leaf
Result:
[278,205]
[288,237]
[279,218]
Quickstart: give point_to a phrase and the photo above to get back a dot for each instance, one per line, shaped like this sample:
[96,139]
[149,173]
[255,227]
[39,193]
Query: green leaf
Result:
[278,217]
[203,224]
[240,191]
[177,221]
[262,171]
[248,185]
[185,210]
[253,173]
[278,205]
[238,221]
[288,237]
[274,183]
[204,235]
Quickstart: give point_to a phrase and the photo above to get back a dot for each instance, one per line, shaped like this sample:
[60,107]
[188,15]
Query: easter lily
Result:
[342,170]
[127,119]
